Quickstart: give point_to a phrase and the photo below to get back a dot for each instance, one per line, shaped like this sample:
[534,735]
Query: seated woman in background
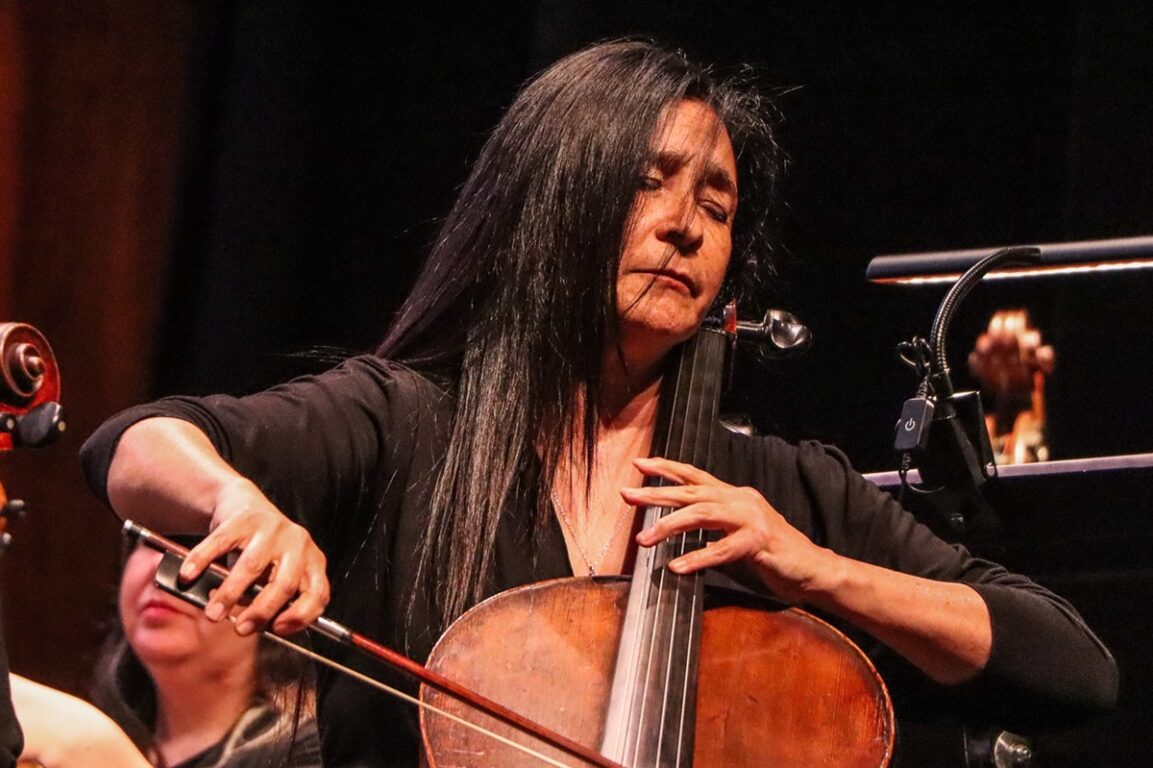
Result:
[178,691]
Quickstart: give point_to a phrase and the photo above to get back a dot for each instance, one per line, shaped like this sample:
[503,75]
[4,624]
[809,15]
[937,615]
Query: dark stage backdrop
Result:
[330,140]
[322,141]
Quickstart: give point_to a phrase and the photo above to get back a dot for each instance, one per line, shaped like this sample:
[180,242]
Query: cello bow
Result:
[197,593]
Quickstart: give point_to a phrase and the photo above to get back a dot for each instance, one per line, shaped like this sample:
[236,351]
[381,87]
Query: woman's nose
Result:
[681,227]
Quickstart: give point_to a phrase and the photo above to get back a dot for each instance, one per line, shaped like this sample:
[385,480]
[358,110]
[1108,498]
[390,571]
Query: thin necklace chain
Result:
[592,564]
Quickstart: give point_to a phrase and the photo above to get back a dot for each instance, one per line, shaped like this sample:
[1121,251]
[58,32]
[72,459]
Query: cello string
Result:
[702,430]
[691,424]
[704,397]
[652,609]
[675,547]
[686,686]
[385,687]
[695,407]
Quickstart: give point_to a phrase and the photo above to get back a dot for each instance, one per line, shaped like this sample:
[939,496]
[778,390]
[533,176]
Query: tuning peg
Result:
[780,332]
[13,508]
[40,426]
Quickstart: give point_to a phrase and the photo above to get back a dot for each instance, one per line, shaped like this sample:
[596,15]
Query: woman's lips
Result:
[157,607]
[678,278]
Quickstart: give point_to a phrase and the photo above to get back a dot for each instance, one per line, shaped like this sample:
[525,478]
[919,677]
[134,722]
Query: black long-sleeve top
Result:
[353,455]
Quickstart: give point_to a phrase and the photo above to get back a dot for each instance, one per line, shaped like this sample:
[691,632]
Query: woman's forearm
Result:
[167,474]
[944,628]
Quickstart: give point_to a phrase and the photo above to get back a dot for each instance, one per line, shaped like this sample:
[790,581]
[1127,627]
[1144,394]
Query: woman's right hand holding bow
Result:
[167,475]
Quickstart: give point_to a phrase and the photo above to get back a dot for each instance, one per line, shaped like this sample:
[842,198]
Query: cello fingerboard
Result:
[652,710]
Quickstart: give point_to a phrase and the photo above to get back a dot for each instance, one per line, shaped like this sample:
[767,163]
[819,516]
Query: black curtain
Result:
[330,140]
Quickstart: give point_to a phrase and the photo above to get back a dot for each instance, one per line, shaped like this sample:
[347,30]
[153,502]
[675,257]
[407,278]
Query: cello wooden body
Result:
[777,688]
[644,671]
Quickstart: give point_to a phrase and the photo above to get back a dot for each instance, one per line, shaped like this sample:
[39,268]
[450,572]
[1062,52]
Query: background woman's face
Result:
[165,630]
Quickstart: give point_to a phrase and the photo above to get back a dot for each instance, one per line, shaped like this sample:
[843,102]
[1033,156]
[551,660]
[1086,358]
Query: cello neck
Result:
[651,717]
[692,398]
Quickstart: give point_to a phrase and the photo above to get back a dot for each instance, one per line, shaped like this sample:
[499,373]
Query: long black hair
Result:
[517,302]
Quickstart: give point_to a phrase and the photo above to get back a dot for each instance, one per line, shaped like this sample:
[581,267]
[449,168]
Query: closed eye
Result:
[650,182]
[716,212]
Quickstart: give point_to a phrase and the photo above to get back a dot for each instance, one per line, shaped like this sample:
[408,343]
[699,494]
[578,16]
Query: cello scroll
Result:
[30,412]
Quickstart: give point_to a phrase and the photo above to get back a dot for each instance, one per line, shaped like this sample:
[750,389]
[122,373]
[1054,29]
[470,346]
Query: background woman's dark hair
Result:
[516,303]
[123,689]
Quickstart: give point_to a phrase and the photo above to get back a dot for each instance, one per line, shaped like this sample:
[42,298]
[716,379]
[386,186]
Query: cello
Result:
[648,670]
[641,672]
[30,415]
[30,411]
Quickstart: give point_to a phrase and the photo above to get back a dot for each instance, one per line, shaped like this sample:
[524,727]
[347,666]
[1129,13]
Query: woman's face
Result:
[164,630]
[679,239]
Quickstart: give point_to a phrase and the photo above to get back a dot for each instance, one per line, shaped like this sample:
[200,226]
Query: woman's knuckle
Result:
[250,565]
[279,590]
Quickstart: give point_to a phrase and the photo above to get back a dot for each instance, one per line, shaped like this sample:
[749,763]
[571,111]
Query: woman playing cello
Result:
[500,434]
